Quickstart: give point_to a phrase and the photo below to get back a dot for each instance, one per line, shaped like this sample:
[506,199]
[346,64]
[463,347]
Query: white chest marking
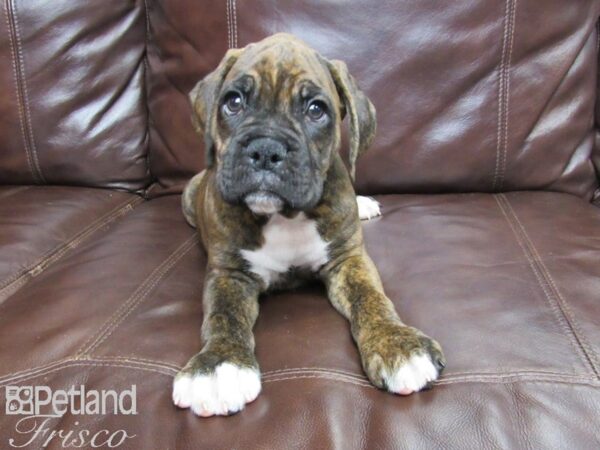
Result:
[287,243]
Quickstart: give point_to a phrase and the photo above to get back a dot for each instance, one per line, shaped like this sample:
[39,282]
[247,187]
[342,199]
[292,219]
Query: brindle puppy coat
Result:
[275,205]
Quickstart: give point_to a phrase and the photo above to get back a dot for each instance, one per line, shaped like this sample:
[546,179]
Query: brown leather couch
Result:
[486,163]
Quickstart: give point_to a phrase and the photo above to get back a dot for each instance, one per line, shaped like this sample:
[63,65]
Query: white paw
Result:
[368,207]
[223,392]
[411,376]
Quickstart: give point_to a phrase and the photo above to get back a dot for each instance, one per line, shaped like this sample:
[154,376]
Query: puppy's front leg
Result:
[224,376]
[395,357]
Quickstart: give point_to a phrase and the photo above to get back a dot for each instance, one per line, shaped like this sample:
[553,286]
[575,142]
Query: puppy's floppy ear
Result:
[204,102]
[363,121]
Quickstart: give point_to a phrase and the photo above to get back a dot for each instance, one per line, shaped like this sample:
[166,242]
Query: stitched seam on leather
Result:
[9,192]
[75,363]
[565,309]
[517,377]
[562,302]
[57,252]
[131,362]
[542,283]
[449,380]
[445,380]
[516,371]
[500,95]
[28,122]
[31,371]
[22,92]
[284,374]
[159,276]
[57,248]
[234,18]
[570,381]
[552,302]
[321,369]
[322,377]
[228,15]
[507,93]
[35,269]
[505,372]
[137,297]
[326,376]
[361,379]
[170,373]
[134,359]
[503,94]
[175,367]
[36,370]
[13,52]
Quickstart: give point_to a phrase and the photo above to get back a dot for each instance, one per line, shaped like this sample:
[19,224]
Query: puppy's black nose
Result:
[265,153]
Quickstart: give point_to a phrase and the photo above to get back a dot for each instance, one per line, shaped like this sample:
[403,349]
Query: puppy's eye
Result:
[233,104]
[316,110]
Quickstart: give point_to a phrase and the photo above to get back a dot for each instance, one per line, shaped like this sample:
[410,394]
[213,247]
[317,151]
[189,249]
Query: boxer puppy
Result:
[276,205]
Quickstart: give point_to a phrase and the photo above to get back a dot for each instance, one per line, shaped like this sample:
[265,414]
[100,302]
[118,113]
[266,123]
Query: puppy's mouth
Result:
[264,202]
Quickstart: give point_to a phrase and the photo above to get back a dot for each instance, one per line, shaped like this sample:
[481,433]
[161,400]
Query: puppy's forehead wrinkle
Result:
[244,83]
[282,63]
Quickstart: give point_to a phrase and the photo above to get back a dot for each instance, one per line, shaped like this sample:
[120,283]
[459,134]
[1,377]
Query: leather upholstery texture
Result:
[486,164]
[506,284]
[471,96]
[72,96]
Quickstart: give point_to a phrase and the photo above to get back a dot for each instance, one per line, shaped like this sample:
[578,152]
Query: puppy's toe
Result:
[224,391]
[399,358]
[182,391]
[368,207]
[412,376]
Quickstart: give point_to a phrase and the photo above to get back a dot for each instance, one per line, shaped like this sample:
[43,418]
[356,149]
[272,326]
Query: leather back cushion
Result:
[72,100]
[475,95]
[596,154]
[471,95]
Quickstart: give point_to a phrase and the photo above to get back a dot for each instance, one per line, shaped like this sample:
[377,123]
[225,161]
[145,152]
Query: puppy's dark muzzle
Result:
[265,153]
[265,162]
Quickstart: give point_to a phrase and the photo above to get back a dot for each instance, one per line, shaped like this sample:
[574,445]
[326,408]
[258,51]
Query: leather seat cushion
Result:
[41,225]
[507,283]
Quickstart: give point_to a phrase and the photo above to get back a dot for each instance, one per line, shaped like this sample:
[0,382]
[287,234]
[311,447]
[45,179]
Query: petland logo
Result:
[40,404]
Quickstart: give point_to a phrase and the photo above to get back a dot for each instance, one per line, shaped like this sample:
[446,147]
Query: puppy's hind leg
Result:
[188,198]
